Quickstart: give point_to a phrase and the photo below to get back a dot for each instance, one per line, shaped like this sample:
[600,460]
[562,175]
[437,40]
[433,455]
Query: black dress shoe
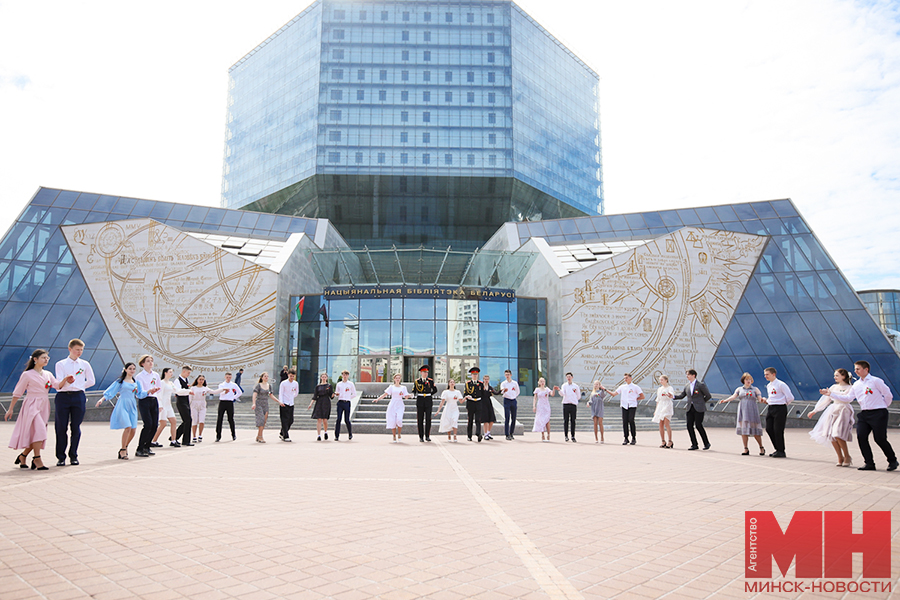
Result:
[218,439]
[155,445]
[892,466]
[706,447]
[779,455]
[694,448]
[422,440]
[74,462]
[175,444]
[427,439]
[633,441]
[573,439]
[61,462]
[187,444]
[141,453]
[866,467]
[625,443]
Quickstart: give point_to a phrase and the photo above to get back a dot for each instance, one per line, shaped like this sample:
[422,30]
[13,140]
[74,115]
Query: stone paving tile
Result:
[373,519]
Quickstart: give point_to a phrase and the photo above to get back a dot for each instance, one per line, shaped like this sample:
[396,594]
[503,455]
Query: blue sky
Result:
[701,103]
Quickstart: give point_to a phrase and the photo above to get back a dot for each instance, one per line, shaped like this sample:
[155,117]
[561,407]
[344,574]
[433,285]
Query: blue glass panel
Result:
[396,337]
[837,285]
[792,254]
[784,208]
[297,226]
[821,369]
[527,311]
[248,219]
[309,228]
[755,226]
[764,210]
[771,288]
[440,310]
[744,212]
[107,367]
[725,214]
[636,221]
[375,337]
[493,311]
[11,314]
[281,223]
[85,201]
[55,285]
[11,279]
[493,339]
[197,215]
[720,371]
[264,223]
[493,367]
[736,340]
[65,199]
[755,334]
[104,204]
[418,337]
[541,311]
[45,197]
[39,237]
[617,223]
[397,309]
[776,333]
[374,309]
[813,285]
[724,349]
[794,225]
[74,326]
[842,361]
[814,252]
[160,211]
[343,336]
[820,330]
[585,227]
[95,329]
[52,326]
[601,224]
[653,219]
[773,260]
[54,249]
[75,217]
[11,366]
[670,218]
[568,226]
[553,228]
[688,216]
[96,217]
[418,309]
[27,326]
[845,332]
[867,328]
[707,215]
[440,337]
[743,306]
[887,367]
[124,206]
[179,212]
[339,310]
[793,289]
[800,335]
[32,214]
[14,240]
[748,364]
[805,386]
[215,216]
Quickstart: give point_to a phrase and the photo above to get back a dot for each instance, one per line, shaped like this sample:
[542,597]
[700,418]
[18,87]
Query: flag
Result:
[324,313]
[300,307]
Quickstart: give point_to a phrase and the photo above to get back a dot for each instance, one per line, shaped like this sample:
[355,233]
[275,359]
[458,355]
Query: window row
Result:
[389,76]
[405,158]
[340,14]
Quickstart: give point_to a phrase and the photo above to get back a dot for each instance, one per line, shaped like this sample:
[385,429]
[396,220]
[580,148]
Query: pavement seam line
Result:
[554,584]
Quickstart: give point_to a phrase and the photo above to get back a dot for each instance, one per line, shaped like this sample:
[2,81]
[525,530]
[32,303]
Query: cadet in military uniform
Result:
[425,390]
[473,393]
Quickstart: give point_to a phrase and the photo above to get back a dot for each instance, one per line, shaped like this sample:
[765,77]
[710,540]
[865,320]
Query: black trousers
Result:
[424,406]
[70,407]
[695,419]
[875,422]
[183,404]
[287,419]
[510,408]
[628,422]
[569,411]
[343,408]
[472,414]
[149,410]
[776,417]
[225,407]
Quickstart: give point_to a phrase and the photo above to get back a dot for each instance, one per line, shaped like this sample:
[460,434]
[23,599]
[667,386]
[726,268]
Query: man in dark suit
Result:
[698,395]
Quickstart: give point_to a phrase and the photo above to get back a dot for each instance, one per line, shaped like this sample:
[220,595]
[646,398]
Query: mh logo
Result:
[822,542]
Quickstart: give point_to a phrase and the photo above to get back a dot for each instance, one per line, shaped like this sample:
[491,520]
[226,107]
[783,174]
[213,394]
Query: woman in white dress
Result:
[836,423]
[541,409]
[166,412]
[394,413]
[664,410]
[450,419]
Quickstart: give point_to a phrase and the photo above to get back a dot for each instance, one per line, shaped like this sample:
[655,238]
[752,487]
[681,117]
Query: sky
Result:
[701,103]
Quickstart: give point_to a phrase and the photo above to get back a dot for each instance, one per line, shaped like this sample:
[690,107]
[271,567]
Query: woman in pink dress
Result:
[30,431]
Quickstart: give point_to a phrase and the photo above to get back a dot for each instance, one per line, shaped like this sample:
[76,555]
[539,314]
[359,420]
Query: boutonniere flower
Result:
[47,385]
[79,372]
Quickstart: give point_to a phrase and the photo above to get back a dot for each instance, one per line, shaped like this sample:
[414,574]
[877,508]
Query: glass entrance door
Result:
[412,364]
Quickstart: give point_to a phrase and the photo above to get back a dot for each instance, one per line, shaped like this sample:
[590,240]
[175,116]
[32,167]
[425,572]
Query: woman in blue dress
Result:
[125,414]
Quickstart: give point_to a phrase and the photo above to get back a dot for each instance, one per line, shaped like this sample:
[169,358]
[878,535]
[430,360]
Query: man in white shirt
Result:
[631,395]
[346,392]
[148,406]
[510,391]
[570,393]
[228,393]
[287,391]
[779,397]
[70,401]
[873,397]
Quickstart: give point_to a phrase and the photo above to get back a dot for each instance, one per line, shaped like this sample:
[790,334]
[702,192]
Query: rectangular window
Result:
[361,75]
[382,95]
[404,75]
[406,15]
[470,96]
[426,36]
[470,77]
[426,117]
[337,94]
[492,159]
[334,136]
[426,96]
[404,96]
[340,15]
[384,15]
[427,17]
[337,54]
[403,186]
[448,17]
[470,160]
[426,138]
[426,75]
[490,57]
[426,55]
[404,36]
[426,184]
[448,76]
[359,158]
[402,213]
[404,116]
[490,37]
[426,159]
[334,115]
[424,208]
[492,97]
[492,77]
[404,55]
[334,157]
[360,94]
[490,17]
[404,158]
[492,118]
[448,159]
[337,73]
[382,75]
[492,138]
[381,158]
[470,17]
[362,15]
[337,34]
[448,96]
[404,137]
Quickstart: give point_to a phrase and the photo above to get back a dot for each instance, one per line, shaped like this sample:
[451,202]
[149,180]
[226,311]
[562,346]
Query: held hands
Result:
[70,379]
[825,392]
[555,387]
[152,391]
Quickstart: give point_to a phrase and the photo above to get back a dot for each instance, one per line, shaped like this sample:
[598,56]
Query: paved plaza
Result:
[368,518]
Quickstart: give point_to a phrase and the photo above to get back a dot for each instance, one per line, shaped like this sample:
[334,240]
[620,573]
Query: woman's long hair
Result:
[845,374]
[34,356]
[125,371]
[198,380]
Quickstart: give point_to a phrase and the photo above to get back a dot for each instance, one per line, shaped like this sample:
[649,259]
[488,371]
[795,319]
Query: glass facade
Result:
[798,313]
[423,111]
[44,301]
[373,339]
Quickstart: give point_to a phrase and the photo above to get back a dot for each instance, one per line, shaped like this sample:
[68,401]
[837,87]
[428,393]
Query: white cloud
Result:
[705,102]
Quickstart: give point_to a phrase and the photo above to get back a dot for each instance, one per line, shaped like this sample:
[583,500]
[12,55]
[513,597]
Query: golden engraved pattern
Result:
[659,308]
[183,300]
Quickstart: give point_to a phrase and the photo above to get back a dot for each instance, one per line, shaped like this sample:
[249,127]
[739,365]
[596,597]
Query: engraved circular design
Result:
[110,239]
[666,288]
